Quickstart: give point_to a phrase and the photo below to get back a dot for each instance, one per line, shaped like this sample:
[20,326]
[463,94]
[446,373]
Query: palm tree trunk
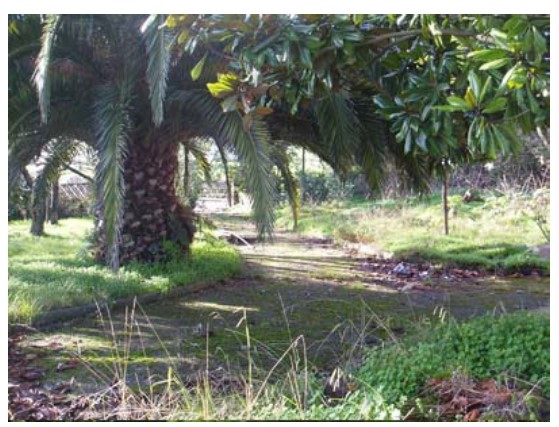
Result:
[152,213]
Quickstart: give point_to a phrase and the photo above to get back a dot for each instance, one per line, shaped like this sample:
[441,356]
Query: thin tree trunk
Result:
[303,177]
[228,181]
[445,199]
[186,175]
[54,203]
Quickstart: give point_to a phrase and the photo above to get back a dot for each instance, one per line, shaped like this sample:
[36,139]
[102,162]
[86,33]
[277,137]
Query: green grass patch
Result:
[54,271]
[494,235]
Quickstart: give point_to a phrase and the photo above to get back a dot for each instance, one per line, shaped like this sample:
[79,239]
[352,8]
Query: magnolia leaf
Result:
[407,146]
[470,98]
[488,55]
[197,70]
[484,90]
[447,108]
[506,78]
[183,37]
[498,104]
[475,84]
[498,63]
[458,102]
[225,85]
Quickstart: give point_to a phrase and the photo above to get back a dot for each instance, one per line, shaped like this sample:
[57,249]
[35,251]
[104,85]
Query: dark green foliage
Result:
[320,187]
[515,345]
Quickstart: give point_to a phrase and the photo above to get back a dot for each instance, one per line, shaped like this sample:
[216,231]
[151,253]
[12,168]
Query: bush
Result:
[516,345]
[320,187]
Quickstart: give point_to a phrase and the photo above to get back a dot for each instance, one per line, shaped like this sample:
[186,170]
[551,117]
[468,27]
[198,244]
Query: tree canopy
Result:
[424,91]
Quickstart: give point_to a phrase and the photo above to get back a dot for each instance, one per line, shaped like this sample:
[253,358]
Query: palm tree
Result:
[114,82]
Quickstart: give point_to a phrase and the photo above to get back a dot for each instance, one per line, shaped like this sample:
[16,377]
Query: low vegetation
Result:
[56,271]
[494,234]
[514,348]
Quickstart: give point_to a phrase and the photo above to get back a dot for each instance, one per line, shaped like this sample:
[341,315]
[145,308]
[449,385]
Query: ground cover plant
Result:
[56,270]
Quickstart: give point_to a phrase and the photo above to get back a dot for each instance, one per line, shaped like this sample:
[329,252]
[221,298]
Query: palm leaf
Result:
[338,127]
[195,148]
[250,143]
[281,160]
[58,153]
[375,136]
[42,75]
[112,126]
[156,41]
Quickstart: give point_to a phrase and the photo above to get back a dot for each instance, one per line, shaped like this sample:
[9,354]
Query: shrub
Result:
[516,345]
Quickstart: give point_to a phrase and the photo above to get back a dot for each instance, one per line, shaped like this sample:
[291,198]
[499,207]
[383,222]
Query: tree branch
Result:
[77,172]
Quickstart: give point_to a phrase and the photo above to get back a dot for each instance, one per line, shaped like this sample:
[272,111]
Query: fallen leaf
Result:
[472,415]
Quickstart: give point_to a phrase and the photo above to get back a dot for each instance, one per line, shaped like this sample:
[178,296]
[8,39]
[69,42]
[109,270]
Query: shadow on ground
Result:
[292,288]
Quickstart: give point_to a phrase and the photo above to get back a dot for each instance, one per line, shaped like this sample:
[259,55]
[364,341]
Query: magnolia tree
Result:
[432,91]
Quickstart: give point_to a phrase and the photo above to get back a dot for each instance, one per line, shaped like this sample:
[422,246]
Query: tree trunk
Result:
[228,181]
[54,199]
[186,175]
[152,213]
[445,199]
[303,179]
[38,216]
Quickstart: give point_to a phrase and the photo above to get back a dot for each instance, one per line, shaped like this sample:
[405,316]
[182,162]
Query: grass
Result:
[494,235]
[384,387]
[54,271]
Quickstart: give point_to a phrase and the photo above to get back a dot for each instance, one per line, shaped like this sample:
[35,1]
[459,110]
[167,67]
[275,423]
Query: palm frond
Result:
[251,145]
[112,126]
[281,160]
[156,41]
[41,76]
[338,127]
[375,137]
[195,148]
[58,153]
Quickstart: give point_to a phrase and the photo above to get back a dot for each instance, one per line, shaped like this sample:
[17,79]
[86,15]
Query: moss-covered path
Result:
[338,301]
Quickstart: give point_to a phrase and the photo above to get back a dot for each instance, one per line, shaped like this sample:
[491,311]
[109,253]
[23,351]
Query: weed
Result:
[493,235]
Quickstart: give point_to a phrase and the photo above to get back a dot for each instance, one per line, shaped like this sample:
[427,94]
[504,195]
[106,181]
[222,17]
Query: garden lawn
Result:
[56,271]
[494,234]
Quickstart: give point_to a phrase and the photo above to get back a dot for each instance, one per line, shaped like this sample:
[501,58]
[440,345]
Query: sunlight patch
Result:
[219,307]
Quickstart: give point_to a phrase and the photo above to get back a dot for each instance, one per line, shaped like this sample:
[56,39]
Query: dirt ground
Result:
[339,300]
